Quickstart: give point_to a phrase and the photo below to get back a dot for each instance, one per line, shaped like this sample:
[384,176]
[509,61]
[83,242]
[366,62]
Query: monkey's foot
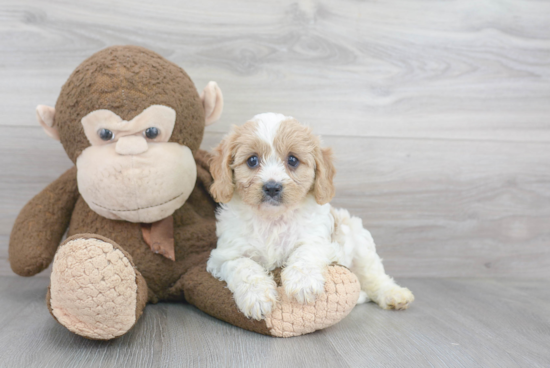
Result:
[290,318]
[95,291]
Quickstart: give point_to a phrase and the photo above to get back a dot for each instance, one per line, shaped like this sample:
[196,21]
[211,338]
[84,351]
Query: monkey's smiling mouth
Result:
[141,208]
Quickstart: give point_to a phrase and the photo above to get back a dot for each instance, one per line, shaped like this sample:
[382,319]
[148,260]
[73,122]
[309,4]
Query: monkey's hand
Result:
[41,224]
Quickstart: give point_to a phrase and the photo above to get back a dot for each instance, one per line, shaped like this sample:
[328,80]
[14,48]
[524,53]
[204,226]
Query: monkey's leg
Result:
[289,318]
[95,290]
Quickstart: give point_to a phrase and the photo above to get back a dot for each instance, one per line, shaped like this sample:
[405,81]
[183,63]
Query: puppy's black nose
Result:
[272,188]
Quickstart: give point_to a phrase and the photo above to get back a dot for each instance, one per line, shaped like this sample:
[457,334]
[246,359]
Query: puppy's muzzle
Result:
[272,191]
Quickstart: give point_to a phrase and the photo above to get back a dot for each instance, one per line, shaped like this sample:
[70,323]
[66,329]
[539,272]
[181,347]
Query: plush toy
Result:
[136,204]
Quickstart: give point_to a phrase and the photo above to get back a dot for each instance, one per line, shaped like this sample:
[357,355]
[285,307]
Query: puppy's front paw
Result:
[256,300]
[303,284]
[395,297]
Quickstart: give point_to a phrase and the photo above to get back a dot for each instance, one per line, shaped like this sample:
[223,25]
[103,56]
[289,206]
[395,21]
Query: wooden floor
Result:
[454,323]
[439,115]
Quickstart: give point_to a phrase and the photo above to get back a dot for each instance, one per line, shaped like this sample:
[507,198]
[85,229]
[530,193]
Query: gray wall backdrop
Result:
[439,112]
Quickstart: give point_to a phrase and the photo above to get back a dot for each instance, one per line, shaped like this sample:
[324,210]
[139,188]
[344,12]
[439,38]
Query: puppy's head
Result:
[272,162]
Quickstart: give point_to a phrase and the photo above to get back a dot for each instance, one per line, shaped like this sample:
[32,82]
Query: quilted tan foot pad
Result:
[93,289]
[290,318]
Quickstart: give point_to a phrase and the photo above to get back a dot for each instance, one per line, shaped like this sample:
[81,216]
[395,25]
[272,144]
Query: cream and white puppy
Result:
[275,181]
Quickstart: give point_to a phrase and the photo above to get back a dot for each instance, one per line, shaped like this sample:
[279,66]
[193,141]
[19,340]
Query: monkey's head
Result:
[131,121]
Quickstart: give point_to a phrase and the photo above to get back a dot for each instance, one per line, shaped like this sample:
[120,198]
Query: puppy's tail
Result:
[349,231]
[357,244]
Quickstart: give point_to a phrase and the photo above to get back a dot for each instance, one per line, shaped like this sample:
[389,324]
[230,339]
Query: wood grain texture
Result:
[439,116]
[438,111]
[476,69]
[453,323]
[435,207]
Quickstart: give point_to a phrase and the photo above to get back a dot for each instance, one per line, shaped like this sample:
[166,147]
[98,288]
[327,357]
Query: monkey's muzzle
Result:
[145,187]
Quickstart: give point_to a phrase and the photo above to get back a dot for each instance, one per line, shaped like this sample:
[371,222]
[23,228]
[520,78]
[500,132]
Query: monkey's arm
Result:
[41,224]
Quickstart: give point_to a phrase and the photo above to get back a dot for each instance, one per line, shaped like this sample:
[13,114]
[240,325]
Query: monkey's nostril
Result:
[272,188]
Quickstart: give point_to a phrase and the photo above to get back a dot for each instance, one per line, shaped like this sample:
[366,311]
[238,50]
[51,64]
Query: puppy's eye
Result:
[252,161]
[293,161]
[151,132]
[105,134]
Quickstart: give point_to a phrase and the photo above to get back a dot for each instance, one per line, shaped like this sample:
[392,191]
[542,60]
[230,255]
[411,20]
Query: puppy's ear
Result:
[220,167]
[323,188]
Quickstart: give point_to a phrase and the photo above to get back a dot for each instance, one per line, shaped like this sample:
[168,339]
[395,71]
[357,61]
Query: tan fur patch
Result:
[230,171]
[231,155]
[247,144]
[220,167]
[297,140]
[324,175]
[248,185]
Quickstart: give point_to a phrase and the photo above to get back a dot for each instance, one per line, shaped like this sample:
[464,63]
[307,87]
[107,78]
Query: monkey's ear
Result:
[45,115]
[212,101]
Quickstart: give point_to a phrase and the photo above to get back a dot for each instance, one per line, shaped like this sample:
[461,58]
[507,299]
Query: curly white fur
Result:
[304,238]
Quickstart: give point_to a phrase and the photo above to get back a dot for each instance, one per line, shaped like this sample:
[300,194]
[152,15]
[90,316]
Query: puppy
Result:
[274,182]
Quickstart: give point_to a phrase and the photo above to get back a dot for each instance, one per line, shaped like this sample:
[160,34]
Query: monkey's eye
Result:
[105,134]
[151,132]
[293,161]
[252,161]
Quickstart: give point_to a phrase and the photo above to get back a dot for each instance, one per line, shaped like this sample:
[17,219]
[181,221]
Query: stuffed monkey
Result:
[140,218]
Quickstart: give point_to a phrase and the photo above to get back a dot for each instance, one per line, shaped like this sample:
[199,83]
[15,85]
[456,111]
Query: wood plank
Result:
[453,70]
[457,323]
[438,113]
[435,208]
[452,323]
[476,208]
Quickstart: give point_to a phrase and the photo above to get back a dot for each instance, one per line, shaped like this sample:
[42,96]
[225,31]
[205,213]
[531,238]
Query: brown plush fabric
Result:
[212,296]
[194,235]
[202,158]
[41,224]
[142,296]
[126,80]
